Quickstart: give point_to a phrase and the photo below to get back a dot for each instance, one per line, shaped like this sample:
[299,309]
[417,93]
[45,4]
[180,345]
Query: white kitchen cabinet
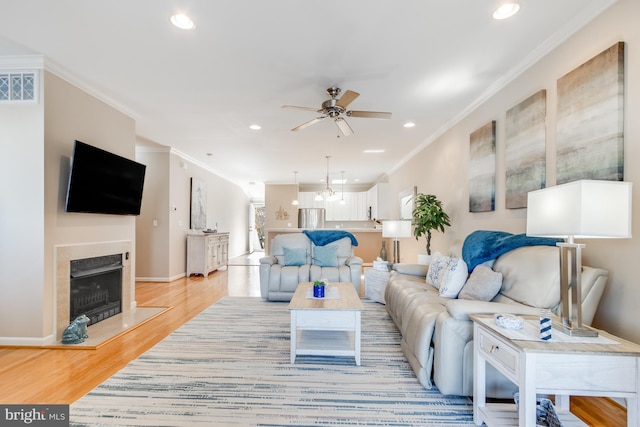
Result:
[378,201]
[354,207]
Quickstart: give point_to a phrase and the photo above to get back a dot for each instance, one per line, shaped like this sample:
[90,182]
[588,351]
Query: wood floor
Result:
[62,376]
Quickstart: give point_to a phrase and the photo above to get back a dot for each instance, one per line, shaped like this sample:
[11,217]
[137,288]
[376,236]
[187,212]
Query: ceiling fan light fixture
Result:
[506,10]
[335,108]
[182,21]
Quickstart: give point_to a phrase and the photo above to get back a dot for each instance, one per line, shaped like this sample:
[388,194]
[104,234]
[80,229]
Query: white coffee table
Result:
[326,326]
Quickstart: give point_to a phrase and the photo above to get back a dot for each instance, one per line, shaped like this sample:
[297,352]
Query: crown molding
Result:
[76,81]
[21,62]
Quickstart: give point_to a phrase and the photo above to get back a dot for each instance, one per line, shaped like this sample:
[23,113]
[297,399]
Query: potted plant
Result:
[319,288]
[428,215]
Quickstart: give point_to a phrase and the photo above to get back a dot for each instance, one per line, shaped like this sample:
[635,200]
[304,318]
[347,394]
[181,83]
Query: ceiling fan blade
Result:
[344,126]
[295,107]
[369,114]
[309,123]
[347,99]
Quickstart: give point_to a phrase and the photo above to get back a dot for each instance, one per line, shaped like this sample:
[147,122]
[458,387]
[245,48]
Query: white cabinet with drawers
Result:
[207,252]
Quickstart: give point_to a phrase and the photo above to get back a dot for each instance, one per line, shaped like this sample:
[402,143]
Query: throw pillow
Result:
[437,268]
[294,256]
[453,278]
[483,284]
[325,256]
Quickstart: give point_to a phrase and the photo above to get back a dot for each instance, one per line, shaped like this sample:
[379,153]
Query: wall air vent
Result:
[18,86]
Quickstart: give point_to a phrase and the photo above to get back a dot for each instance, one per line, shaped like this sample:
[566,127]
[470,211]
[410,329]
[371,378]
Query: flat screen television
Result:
[103,182]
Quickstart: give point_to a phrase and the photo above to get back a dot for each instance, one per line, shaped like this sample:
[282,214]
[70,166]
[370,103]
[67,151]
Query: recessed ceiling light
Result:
[506,10]
[182,21]
[255,127]
[409,124]
[373,151]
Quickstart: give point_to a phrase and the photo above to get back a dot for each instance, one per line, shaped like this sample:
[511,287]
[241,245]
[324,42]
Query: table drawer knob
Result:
[494,348]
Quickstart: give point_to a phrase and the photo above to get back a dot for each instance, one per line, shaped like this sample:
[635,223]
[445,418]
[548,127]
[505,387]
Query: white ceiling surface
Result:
[198,91]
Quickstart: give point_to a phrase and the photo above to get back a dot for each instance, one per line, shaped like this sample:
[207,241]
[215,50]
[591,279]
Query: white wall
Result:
[442,167]
[162,248]
[22,220]
[154,242]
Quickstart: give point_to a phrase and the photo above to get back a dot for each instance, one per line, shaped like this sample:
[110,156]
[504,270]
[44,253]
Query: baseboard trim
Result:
[160,279]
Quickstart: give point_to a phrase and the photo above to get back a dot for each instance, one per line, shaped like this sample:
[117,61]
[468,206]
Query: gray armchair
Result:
[294,258]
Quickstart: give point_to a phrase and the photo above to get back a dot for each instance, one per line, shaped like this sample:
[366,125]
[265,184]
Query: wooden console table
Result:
[565,366]
[207,252]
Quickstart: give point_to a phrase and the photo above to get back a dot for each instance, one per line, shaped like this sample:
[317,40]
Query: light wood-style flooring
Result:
[62,376]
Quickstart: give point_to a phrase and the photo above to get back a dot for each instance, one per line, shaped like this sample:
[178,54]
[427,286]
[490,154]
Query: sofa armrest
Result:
[460,309]
[411,269]
[354,260]
[270,260]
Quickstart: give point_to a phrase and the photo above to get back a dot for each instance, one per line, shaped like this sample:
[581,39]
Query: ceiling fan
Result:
[335,108]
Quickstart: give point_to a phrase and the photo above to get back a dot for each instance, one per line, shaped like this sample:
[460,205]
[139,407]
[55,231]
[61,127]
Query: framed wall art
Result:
[482,168]
[590,140]
[198,205]
[525,149]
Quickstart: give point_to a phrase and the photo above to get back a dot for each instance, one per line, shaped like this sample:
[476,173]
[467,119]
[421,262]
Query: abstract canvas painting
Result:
[590,140]
[525,154]
[198,204]
[482,168]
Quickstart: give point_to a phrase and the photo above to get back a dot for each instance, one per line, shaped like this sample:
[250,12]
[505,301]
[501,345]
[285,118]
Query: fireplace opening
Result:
[96,287]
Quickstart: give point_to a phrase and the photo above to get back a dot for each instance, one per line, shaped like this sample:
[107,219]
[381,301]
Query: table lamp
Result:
[396,230]
[586,209]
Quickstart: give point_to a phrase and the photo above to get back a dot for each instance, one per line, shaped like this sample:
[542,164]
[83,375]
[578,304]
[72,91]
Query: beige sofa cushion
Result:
[483,284]
[531,275]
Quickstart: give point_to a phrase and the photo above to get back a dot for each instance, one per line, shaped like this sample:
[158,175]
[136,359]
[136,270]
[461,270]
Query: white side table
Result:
[375,282]
[607,366]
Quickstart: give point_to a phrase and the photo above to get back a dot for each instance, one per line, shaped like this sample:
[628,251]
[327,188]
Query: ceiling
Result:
[199,91]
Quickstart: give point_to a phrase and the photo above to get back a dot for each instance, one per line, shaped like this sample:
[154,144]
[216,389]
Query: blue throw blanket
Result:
[481,246]
[322,237]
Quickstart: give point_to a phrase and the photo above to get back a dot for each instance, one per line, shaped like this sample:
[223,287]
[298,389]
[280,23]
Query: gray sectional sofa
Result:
[437,334]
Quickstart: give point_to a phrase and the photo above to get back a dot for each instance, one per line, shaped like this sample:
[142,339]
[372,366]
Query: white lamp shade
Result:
[583,209]
[396,229]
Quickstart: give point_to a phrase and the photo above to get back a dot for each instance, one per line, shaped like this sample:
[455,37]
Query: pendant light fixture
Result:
[295,180]
[342,202]
[327,193]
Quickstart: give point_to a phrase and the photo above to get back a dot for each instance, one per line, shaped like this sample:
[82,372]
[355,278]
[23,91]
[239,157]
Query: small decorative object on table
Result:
[318,288]
[76,332]
[509,321]
[545,325]
[380,264]
[383,252]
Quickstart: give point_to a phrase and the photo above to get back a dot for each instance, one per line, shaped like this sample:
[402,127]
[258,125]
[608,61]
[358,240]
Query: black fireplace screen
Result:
[96,287]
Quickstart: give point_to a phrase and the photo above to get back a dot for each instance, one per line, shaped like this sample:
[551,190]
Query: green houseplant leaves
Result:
[428,215]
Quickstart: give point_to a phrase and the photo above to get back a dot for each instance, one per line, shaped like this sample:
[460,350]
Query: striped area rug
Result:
[229,366]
